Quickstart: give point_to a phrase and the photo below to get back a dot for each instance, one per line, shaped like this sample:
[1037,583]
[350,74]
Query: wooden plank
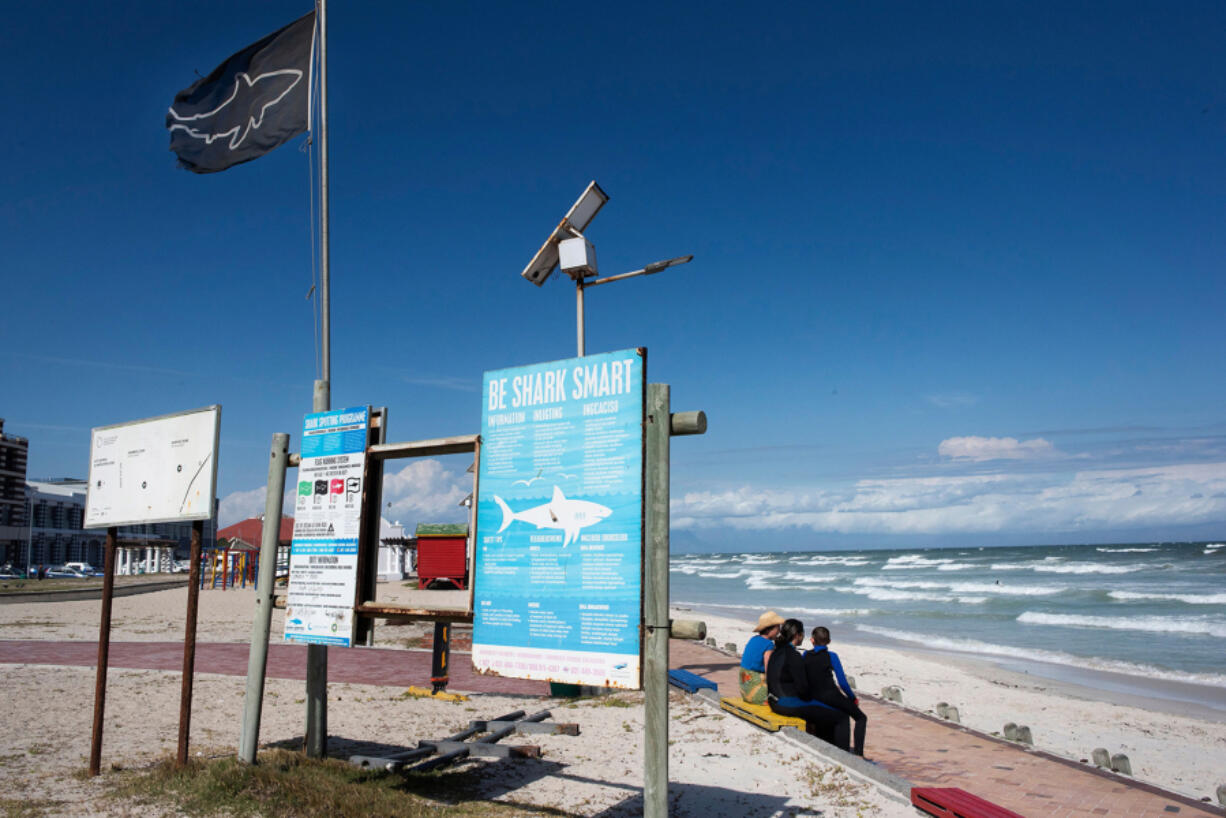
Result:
[956,803]
[760,714]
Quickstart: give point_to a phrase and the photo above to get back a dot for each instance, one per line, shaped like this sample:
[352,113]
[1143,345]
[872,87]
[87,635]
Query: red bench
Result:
[956,803]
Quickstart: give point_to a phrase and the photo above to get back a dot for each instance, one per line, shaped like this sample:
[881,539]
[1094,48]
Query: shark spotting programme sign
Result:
[558,574]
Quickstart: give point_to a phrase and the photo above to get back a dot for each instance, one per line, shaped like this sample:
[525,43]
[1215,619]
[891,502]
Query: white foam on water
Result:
[966,587]
[1149,624]
[851,562]
[699,606]
[1054,567]
[1053,657]
[912,561]
[801,577]
[723,574]
[1125,550]
[895,595]
[1190,599]
[956,566]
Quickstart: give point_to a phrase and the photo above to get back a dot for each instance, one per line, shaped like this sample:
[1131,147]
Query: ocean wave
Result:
[965,587]
[677,568]
[912,561]
[722,574]
[805,579]
[1070,567]
[956,566]
[1191,599]
[896,595]
[1213,549]
[1106,550]
[1051,657]
[1149,624]
[757,609]
[851,562]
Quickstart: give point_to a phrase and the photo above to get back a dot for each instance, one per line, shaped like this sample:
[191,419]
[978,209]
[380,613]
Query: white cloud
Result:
[978,449]
[240,505]
[1102,499]
[423,491]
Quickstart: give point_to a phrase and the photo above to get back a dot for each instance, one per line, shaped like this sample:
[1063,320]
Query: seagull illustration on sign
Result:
[566,515]
[539,472]
[227,119]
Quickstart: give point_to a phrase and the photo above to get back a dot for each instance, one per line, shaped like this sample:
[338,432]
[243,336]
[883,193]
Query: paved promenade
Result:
[930,752]
[921,749]
[375,666]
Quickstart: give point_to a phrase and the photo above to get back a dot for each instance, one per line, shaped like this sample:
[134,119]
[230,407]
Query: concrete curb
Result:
[893,786]
[74,595]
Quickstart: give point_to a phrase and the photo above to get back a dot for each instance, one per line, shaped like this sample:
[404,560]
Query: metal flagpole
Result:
[317,655]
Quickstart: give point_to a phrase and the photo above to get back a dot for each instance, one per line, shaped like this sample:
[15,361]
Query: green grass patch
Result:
[288,783]
[29,808]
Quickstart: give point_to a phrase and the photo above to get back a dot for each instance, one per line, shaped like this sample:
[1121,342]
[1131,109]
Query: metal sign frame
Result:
[206,509]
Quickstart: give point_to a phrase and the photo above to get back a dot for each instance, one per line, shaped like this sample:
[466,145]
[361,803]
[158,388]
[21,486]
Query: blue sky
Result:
[957,272]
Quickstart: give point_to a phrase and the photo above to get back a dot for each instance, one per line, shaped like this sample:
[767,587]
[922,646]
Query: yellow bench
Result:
[760,714]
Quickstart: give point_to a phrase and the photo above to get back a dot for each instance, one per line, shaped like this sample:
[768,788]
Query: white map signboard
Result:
[161,469]
[323,563]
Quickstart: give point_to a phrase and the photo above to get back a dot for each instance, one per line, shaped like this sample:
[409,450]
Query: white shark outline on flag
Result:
[252,123]
[569,516]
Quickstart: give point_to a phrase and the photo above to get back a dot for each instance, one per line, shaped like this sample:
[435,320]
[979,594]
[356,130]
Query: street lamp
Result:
[29,530]
[567,248]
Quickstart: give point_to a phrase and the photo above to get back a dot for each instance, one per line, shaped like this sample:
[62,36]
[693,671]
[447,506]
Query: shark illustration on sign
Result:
[565,515]
[242,111]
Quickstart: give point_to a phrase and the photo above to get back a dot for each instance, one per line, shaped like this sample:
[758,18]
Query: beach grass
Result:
[288,783]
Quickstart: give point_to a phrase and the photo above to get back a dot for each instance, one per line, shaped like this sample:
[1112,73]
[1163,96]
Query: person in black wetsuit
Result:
[823,670]
[790,694]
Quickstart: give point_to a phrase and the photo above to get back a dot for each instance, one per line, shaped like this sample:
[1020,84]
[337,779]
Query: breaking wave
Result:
[1052,657]
[1191,599]
[1149,624]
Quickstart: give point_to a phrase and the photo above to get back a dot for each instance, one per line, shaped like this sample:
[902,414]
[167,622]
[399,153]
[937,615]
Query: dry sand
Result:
[719,765]
[1184,754]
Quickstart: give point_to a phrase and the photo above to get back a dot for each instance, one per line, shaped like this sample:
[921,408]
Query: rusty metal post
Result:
[189,646]
[104,650]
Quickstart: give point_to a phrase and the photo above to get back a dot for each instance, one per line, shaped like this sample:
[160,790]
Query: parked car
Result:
[83,568]
[64,572]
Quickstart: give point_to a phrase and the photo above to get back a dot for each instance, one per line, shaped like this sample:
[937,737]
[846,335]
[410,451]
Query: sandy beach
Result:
[718,764]
[1180,747]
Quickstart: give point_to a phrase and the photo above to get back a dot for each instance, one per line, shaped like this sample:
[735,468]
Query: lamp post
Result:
[567,248]
[29,531]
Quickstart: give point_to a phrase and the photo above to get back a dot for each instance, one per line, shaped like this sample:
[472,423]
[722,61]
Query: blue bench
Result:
[689,682]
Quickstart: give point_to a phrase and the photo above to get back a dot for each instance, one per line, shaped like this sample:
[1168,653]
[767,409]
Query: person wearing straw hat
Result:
[754,657]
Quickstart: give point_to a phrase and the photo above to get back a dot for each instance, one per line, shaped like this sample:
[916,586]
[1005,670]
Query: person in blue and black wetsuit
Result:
[790,694]
[757,652]
[823,670]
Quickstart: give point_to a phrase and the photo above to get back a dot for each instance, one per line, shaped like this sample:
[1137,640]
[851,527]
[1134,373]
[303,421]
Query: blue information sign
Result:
[558,577]
[323,564]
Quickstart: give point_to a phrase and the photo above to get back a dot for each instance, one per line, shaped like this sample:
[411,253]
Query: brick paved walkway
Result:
[930,752]
[923,750]
[375,666]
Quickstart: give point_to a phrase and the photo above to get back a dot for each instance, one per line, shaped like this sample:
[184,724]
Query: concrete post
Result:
[257,659]
[1121,764]
[1101,758]
[655,608]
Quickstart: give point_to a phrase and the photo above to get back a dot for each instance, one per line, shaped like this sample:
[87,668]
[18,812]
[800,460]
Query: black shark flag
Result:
[248,105]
